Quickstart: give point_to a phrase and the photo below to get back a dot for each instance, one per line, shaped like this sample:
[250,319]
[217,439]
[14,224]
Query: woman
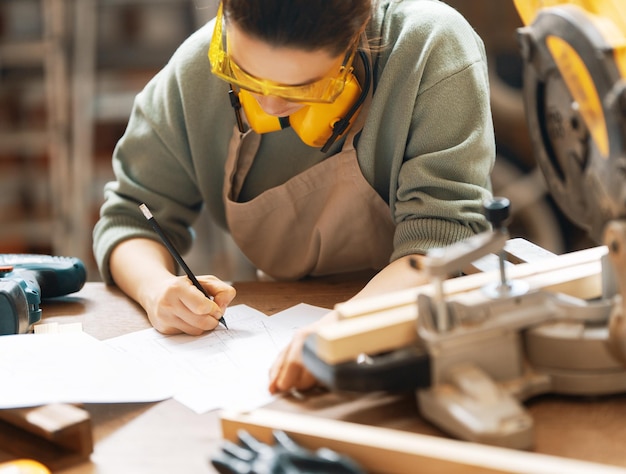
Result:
[326,135]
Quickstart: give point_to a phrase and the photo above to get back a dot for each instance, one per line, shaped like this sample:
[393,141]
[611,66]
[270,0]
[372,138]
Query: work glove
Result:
[284,457]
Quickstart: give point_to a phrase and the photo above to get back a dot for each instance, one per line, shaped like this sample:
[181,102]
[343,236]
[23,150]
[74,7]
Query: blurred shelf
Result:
[69,74]
[37,232]
[24,143]
[23,53]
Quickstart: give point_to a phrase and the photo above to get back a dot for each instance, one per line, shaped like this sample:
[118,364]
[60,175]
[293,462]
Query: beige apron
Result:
[326,220]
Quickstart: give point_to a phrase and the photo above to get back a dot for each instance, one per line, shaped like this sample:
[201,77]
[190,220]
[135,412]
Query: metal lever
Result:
[440,263]
[497,210]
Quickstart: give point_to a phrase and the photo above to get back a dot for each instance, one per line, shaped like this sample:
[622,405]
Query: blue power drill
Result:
[27,279]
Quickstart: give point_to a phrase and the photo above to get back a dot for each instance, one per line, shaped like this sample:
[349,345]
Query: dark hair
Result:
[306,24]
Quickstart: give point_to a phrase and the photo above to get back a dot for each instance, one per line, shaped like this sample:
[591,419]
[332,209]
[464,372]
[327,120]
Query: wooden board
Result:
[57,435]
[381,328]
[384,450]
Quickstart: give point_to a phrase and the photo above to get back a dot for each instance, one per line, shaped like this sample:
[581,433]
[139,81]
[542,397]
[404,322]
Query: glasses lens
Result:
[326,89]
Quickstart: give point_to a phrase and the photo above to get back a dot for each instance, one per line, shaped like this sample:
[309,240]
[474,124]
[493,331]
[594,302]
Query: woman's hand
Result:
[288,372]
[145,271]
[175,305]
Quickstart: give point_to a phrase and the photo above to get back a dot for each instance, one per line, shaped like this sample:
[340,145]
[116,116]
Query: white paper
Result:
[284,324]
[225,368]
[37,369]
[222,368]
[296,317]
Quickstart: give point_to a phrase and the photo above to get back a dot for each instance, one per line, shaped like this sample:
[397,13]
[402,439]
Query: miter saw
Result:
[483,344]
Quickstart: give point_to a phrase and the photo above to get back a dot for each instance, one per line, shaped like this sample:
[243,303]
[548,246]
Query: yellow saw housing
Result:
[575,97]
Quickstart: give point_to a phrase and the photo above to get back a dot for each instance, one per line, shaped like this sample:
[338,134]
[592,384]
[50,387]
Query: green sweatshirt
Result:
[427,146]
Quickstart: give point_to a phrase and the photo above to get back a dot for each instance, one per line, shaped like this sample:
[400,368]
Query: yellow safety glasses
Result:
[324,90]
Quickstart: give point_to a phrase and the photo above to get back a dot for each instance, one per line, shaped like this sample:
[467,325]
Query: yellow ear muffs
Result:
[258,120]
[317,124]
[313,123]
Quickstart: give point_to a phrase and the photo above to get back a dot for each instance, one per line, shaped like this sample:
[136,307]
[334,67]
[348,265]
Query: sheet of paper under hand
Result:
[222,368]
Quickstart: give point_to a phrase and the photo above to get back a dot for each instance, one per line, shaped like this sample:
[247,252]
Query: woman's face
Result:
[283,65]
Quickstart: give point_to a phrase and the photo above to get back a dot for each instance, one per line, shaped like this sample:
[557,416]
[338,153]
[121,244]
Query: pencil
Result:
[177,256]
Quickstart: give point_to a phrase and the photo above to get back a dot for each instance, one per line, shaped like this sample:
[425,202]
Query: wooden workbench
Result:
[167,437]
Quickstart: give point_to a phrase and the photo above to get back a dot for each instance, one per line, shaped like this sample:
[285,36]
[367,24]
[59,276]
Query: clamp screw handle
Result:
[497,211]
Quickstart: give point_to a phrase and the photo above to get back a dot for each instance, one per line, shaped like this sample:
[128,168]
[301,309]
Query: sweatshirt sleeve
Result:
[152,162]
[442,176]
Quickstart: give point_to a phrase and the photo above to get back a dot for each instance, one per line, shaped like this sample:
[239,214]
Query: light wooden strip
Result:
[395,327]
[364,306]
[54,328]
[371,334]
[393,451]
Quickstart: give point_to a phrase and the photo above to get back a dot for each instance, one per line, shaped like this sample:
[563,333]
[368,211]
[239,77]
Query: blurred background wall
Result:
[69,70]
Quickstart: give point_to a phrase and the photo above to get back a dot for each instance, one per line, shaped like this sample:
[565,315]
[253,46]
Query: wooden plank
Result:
[398,452]
[395,326]
[57,435]
[372,334]
[375,304]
